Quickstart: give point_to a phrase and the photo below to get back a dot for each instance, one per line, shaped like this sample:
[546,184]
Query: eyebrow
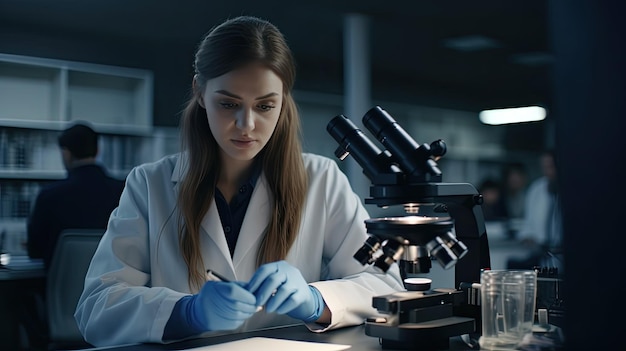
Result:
[224,92]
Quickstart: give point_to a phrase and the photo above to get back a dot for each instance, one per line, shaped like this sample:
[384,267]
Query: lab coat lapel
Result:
[212,226]
[254,224]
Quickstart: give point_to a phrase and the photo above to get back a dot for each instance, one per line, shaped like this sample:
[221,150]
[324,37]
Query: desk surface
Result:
[22,267]
[354,336]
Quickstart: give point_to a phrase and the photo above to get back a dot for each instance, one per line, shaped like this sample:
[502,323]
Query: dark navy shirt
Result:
[231,215]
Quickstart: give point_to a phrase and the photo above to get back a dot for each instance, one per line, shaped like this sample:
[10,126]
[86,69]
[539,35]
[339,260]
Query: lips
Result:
[243,143]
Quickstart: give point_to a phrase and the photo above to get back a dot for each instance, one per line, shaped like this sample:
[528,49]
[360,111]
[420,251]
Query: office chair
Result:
[65,280]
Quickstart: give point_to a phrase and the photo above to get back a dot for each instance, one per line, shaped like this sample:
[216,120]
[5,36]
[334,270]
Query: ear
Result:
[196,90]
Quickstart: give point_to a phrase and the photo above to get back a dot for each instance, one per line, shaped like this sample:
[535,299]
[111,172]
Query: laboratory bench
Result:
[353,336]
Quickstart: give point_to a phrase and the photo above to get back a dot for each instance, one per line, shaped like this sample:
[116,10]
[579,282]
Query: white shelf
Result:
[48,94]
[102,128]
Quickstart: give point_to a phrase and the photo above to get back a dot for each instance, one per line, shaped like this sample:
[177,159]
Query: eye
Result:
[265,107]
[228,105]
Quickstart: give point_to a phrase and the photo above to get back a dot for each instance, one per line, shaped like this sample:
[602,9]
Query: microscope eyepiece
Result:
[377,165]
[413,158]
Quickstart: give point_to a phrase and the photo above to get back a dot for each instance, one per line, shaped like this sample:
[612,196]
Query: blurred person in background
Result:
[85,199]
[513,196]
[491,190]
[515,179]
[541,231]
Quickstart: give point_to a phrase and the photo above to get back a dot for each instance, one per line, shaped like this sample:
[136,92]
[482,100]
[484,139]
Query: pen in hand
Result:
[211,275]
[214,276]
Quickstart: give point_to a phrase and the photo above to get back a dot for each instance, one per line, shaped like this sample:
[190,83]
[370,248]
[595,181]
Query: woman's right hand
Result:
[221,306]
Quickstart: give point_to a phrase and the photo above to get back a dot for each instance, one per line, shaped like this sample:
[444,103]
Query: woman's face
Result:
[242,108]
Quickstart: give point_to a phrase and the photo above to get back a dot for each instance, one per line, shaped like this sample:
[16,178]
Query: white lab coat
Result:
[542,222]
[137,273]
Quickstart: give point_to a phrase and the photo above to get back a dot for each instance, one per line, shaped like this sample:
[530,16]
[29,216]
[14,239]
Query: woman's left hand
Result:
[281,288]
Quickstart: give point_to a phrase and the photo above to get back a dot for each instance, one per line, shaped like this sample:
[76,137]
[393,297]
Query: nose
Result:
[245,120]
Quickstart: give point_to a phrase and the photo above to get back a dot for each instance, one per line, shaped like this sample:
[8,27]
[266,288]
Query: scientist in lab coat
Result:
[279,226]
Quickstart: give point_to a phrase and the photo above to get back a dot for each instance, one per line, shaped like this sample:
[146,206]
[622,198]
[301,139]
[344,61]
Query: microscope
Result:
[406,173]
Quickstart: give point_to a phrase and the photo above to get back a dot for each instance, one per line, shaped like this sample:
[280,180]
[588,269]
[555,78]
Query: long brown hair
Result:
[232,44]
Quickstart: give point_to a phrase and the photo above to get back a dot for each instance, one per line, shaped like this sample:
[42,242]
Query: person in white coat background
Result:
[241,199]
[541,233]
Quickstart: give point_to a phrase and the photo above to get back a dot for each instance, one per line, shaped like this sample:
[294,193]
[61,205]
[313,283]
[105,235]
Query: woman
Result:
[241,200]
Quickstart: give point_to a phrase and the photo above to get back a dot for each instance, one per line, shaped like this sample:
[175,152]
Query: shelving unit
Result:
[45,93]
[40,97]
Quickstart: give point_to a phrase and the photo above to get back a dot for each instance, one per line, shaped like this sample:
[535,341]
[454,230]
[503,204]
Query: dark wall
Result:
[170,62]
[590,87]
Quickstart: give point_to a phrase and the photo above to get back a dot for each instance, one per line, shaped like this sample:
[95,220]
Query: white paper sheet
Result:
[271,344]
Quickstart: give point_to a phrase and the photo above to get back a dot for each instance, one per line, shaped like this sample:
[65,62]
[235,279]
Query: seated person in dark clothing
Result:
[85,199]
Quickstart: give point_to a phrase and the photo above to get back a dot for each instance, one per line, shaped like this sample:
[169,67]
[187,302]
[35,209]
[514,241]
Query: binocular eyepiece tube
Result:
[412,158]
[377,165]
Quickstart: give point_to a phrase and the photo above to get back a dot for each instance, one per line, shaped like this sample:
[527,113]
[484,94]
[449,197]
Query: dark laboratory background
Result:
[433,65]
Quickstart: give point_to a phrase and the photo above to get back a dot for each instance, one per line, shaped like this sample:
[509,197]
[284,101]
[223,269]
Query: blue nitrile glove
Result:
[281,288]
[218,306]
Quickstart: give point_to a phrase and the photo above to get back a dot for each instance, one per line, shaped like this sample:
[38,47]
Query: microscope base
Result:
[429,335]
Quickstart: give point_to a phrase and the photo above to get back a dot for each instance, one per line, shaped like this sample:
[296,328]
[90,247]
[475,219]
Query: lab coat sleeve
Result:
[347,286]
[118,304]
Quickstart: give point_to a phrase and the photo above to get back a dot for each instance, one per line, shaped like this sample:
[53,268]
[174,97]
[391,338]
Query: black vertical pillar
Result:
[588,39]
